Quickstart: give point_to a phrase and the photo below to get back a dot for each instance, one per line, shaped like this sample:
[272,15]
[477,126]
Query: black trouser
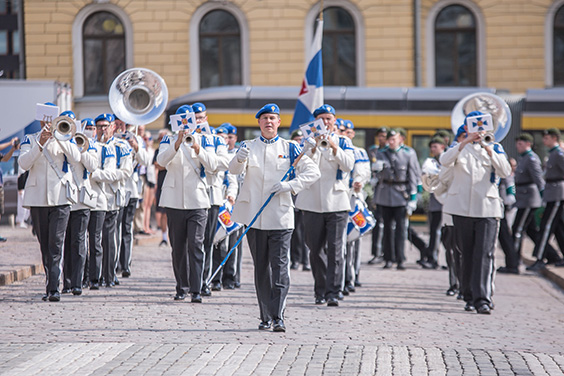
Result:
[416,240]
[299,252]
[211,226]
[226,274]
[551,223]
[49,224]
[239,263]
[126,244]
[525,221]
[453,256]
[377,232]
[394,233]
[186,231]
[109,246]
[352,262]
[95,228]
[507,245]
[432,252]
[326,261]
[271,254]
[477,239]
[75,248]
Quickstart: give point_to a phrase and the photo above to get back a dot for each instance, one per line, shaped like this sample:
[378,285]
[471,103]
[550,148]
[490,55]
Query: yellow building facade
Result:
[394,41]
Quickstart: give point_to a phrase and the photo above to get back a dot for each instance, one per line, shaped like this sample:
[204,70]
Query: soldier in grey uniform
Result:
[529,182]
[551,221]
[396,191]
[378,231]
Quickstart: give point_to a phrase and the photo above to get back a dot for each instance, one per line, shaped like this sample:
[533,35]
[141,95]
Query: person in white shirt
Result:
[265,161]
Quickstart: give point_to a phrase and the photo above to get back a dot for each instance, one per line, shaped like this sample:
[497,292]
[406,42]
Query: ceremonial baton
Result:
[286,175]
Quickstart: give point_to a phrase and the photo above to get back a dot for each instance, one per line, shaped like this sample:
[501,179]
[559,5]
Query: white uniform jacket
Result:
[88,164]
[268,162]
[43,186]
[215,178]
[138,158]
[474,189]
[184,186]
[103,176]
[124,170]
[331,192]
[361,172]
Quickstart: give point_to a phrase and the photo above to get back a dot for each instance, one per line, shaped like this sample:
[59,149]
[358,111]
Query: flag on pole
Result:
[311,93]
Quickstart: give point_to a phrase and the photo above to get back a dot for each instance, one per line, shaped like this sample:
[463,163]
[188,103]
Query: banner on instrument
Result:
[182,121]
[225,226]
[46,113]
[479,123]
[361,221]
[313,128]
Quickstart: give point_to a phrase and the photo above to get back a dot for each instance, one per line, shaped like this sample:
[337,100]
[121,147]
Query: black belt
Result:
[395,182]
[553,180]
[527,183]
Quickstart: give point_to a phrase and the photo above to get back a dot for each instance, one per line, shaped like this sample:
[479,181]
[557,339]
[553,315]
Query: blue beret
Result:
[349,124]
[107,117]
[184,109]
[198,107]
[69,114]
[325,109]
[231,129]
[459,132]
[340,122]
[221,129]
[269,108]
[88,122]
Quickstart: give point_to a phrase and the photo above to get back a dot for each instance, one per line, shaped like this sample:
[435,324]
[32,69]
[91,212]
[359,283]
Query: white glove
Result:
[309,143]
[281,187]
[378,166]
[242,154]
[411,206]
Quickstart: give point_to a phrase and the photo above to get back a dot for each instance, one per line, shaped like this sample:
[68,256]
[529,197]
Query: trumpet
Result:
[64,128]
[189,139]
[81,142]
[487,139]
[323,144]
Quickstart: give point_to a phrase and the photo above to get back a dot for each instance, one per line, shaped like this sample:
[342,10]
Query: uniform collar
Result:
[554,148]
[271,141]
[526,152]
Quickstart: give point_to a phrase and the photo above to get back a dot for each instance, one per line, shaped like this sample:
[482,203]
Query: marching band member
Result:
[134,144]
[553,195]
[326,205]
[186,202]
[265,161]
[100,179]
[474,203]
[49,195]
[396,193]
[227,274]
[360,176]
[214,179]
[75,250]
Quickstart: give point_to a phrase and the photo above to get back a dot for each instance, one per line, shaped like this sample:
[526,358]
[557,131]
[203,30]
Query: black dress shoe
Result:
[264,325]
[216,286]
[196,298]
[357,284]
[179,296]
[345,292]
[401,267]
[506,270]
[484,309]
[229,286]
[125,274]
[306,268]
[66,290]
[319,300]
[294,266]
[350,287]
[451,291]
[459,296]
[111,284]
[206,291]
[340,295]
[332,302]
[559,263]
[388,265]
[279,326]
[54,296]
[374,260]
[469,307]
[116,281]
[94,286]
[45,297]
[538,265]
[237,285]
[76,291]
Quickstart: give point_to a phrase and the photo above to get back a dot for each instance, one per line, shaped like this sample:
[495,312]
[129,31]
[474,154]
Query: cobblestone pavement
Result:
[398,322]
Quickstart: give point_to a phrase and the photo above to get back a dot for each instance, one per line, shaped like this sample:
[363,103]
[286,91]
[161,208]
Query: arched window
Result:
[455,47]
[558,48]
[339,47]
[220,50]
[104,55]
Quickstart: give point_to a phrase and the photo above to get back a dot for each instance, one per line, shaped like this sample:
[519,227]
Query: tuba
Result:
[138,96]
[486,103]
